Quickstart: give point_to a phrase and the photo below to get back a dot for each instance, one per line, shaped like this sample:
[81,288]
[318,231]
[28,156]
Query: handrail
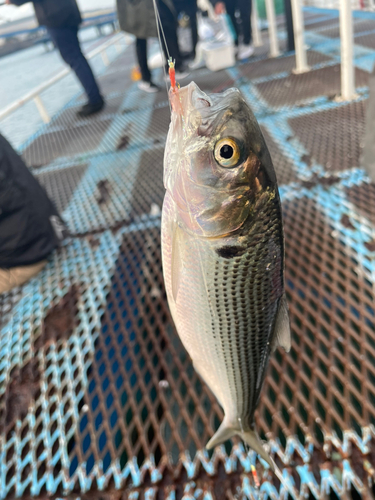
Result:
[34,94]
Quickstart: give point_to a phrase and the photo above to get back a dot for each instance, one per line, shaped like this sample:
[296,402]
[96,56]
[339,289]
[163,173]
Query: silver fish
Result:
[223,251]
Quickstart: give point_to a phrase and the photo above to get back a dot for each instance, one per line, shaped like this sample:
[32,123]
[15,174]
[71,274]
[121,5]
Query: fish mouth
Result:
[192,97]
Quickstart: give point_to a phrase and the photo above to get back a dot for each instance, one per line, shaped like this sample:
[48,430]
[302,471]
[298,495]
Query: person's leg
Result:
[191,11]
[17,276]
[230,6]
[244,6]
[170,31]
[66,40]
[141,48]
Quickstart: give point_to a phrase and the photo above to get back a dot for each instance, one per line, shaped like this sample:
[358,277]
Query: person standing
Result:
[243,30]
[62,18]
[138,18]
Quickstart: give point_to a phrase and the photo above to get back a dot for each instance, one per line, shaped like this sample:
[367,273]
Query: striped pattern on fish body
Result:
[226,295]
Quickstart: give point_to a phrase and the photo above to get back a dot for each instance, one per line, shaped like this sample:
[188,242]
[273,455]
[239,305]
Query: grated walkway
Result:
[98,399]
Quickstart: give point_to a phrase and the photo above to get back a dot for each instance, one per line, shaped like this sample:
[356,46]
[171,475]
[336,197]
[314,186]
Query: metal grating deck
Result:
[98,398]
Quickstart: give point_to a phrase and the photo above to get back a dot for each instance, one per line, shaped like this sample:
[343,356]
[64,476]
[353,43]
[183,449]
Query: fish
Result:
[223,251]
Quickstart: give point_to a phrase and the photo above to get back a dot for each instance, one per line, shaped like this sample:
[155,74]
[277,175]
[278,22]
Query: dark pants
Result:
[169,26]
[190,8]
[66,40]
[244,8]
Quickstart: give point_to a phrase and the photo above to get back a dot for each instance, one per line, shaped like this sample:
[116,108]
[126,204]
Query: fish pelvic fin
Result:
[250,437]
[282,336]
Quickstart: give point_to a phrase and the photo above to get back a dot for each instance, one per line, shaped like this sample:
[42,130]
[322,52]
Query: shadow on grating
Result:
[68,142]
[333,137]
[358,27]
[61,184]
[363,198]
[326,382]
[320,24]
[69,118]
[148,188]
[296,88]
[365,40]
[278,65]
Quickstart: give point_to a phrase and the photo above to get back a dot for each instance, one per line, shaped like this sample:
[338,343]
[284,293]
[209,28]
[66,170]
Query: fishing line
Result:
[196,237]
[159,27]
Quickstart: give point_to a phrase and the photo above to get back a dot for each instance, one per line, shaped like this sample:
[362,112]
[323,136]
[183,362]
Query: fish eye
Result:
[227,152]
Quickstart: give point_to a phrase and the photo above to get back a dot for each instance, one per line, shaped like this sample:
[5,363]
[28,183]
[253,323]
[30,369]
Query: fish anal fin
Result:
[282,336]
[177,259]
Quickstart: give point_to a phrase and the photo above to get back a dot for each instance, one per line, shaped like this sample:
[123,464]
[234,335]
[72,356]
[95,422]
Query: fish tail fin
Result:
[223,433]
[250,437]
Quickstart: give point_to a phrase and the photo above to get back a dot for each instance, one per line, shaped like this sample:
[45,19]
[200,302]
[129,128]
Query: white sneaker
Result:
[245,51]
[149,87]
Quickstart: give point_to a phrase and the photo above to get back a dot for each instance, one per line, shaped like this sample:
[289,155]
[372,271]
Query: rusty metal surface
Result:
[334,137]
[297,88]
[98,398]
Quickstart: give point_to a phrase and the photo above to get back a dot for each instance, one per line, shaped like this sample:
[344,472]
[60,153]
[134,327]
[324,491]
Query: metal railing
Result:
[34,94]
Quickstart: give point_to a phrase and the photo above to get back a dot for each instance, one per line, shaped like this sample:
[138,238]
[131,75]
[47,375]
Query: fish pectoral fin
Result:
[177,259]
[282,336]
[221,435]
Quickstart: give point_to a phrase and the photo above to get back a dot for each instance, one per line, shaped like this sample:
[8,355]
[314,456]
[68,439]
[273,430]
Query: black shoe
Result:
[89,108]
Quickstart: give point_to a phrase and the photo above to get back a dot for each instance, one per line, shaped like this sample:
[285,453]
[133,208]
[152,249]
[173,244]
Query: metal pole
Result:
[42,110]
[257,38]
[299,38]
[271,17]
[346,36]
[368,155]
[289,24]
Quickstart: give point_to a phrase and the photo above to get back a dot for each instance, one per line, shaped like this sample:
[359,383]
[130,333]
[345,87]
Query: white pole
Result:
[299,38]
[42,110]
[257,38]
[271,17]
[346,36]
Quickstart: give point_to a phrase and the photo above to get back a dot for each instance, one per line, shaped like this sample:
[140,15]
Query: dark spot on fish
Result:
[229,252]
[123,143]
[104,188]
[289,138]
[346,222]
[370,245]
[60,319]
[157,141]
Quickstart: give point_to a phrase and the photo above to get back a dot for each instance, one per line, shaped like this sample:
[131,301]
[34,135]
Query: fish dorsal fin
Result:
[282,335]
[177,259]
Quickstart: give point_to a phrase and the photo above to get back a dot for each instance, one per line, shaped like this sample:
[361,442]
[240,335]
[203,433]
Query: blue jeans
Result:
[66,40]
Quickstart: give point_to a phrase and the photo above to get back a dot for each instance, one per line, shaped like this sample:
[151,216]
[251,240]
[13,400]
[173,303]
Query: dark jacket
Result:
[55,13]
[30,227]
[138,17]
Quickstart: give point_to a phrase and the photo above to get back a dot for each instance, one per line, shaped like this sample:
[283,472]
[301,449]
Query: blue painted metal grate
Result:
[96,391]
